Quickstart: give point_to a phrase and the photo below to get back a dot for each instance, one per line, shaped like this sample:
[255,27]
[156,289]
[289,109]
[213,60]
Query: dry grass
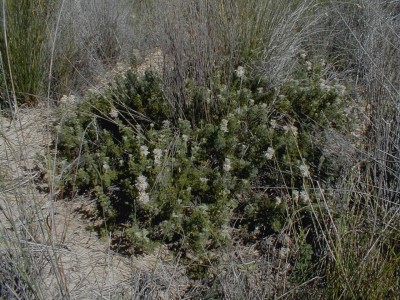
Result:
[198,38]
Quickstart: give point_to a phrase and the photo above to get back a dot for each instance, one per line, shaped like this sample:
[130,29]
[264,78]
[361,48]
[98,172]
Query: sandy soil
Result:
[56,231]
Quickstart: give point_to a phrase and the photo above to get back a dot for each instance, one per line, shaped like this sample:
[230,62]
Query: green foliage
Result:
[23,48]
[189,182]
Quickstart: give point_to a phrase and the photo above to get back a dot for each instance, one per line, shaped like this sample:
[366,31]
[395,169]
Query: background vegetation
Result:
[266,130]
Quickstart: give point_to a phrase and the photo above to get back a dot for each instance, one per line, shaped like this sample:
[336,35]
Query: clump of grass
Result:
[362,257]
[199,38]
[360,230]
[23,39]
[93,36]
[26,243]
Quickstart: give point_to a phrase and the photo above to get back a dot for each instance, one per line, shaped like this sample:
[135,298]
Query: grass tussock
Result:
[23,47]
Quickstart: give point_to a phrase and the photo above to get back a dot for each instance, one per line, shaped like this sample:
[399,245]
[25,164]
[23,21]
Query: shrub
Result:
[189,182]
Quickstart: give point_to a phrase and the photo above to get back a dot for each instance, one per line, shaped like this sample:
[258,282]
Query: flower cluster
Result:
[292,129]
[304,170]
[113,113]
[141,185]
[269,154]
[157,156]
[224,125]
[166,124]
[144,150]
[240,72]
[68,100]
[227,165]
[304,197]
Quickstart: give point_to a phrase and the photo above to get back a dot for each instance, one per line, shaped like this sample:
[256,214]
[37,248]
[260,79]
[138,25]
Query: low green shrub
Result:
[190,183]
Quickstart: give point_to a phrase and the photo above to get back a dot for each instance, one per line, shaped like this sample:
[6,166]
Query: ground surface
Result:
[56,231]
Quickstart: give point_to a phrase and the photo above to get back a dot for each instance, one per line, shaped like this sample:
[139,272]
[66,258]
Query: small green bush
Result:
[190,182]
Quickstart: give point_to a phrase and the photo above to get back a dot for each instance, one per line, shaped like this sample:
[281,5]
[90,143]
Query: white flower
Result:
[141,184]
[166,124]
[106,166]
[224,125]
[113,113]
[260,90]
[144,151]
[308,65]
[278,201]
[203,179]
[93,91]
[304,169]
[303,55]
[324,87]
[185,137]
[281,97]
[273,123]
[239,72]
[157,156]
[293,129]
[295,195]
[304,197]
[269,154]
[284,252]
[227,165]
[66,100]
[143,198]
[251,102]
